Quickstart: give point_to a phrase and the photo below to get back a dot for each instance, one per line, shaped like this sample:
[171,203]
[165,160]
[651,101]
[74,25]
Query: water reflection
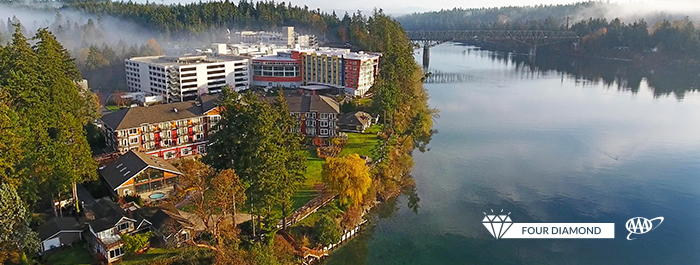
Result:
[674,80]
[547,146]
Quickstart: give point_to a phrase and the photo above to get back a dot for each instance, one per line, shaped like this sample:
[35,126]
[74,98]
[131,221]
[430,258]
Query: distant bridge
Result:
[438,77]
[532,38]
[529,37]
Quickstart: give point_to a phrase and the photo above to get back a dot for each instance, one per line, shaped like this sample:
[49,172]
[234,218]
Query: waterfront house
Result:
[356,121]
[136,173]
[317,114]
[171,228]
[106,221]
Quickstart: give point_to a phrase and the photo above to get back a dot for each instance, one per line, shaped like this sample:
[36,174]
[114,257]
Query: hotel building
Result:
[169,131]
[186,77]
[354,72]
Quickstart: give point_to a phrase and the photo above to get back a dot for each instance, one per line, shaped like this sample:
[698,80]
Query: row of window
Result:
[116,252]
[312,115]
[133,84]
[312,131]
[150,67]
[274,63]
[214,66]
[322,123]
[157,85]
[201,149]
[157,79]
[156,74]
[157,91]
[214,72]
[188,75]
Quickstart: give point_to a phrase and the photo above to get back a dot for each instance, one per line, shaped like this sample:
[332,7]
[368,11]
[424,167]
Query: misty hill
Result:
[544,16]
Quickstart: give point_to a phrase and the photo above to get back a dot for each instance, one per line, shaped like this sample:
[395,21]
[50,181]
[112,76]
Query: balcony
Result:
[110,241]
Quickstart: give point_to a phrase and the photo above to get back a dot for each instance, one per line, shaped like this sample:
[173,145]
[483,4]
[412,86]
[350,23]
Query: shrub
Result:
[134,198]
[327,231]
[133,243]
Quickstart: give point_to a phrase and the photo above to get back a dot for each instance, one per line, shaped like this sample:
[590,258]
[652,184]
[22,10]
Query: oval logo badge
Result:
[641,225]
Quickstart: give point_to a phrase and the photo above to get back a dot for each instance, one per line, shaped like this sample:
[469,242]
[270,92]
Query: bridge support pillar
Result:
[533,51]
[426,56]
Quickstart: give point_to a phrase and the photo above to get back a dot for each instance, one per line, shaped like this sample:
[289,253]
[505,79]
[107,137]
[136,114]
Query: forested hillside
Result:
[184,20]
[660,37]
[511,17]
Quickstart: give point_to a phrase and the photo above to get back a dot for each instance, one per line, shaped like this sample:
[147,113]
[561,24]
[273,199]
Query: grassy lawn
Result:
[306,192]
[78,254]
[366,143]
[314,165]
[112,108]
[150,255]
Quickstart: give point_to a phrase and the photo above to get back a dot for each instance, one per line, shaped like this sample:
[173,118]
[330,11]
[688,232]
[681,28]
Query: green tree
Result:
[262,254]
[293,153]
[67,155]
[10,143]
[136,242]
[327,231]
[252,138]
[54,154]
[16,238]
[95,59]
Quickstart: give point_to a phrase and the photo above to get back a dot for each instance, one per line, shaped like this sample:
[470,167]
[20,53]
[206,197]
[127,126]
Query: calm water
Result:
[549,147]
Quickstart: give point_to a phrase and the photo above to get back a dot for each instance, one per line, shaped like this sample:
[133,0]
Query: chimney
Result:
[175,110]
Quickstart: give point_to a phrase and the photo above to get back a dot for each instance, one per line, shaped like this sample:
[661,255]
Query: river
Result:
[547,146]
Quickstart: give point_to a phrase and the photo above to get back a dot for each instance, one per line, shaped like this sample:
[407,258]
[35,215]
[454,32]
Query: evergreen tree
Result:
[253,139]
[49,125]
[294,154]
[10,143]
[69,159]
[16,238]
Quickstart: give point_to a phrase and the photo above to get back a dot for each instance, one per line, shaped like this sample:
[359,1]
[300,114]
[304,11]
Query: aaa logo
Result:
[641,225]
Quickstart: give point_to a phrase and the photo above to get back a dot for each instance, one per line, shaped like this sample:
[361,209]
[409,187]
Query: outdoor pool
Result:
[156,195]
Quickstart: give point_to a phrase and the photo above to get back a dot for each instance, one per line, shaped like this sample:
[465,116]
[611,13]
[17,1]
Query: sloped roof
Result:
[58,224]
[355,118]
[130,164]
[136,116]
[325,104]
[311,103]
[107,214]
[164,219]
[85,197]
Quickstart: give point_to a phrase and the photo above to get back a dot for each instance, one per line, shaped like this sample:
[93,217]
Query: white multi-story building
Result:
[248,50]
[286,38]
[178,78]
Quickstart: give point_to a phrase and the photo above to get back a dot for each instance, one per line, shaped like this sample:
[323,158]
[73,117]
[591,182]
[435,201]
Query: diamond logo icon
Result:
[497,223]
